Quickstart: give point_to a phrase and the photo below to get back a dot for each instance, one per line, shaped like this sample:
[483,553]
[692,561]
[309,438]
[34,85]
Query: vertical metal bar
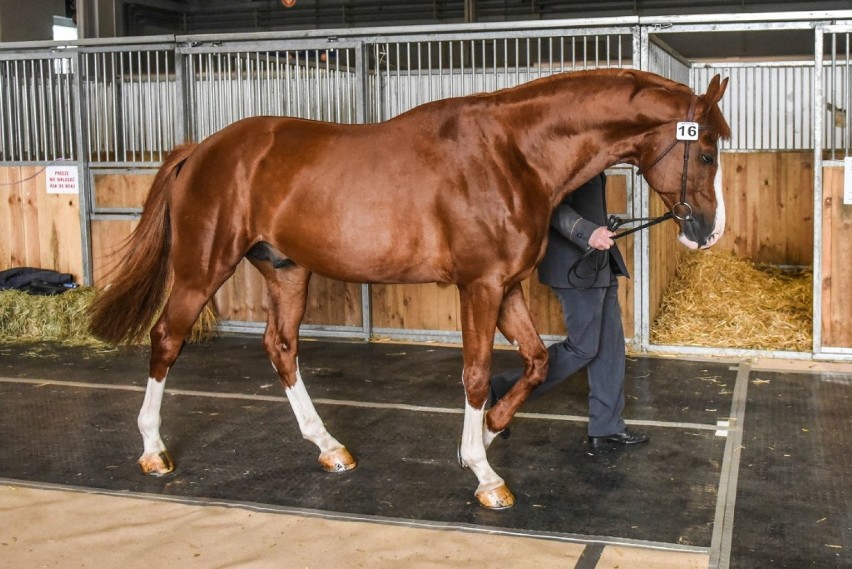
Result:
[573,53]
[103,106]
[277,85]
[317,85]
[388,92]
[377,87]
[51,109]
[846,100]
[19,142]
[60,107]
[451,70]
[335,93]
[494,74]
[30,108]
[642,249]
[114,108]
[4,104]
[517,62]
[832,98]
[440,70]
[361,85]
[85,200]
[410,87]
[41,150]
[297,69]
[419,90]
[819,113]
[398,88]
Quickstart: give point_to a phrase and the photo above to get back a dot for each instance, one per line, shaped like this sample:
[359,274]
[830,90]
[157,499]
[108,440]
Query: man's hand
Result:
[601,239]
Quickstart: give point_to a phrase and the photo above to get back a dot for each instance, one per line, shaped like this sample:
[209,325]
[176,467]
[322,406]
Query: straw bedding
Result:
[720,300]
[63,318]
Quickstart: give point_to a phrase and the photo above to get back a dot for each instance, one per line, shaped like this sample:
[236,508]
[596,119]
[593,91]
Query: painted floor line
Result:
[348,403]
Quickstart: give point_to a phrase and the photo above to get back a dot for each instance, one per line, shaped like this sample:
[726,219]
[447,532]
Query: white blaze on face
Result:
[719,216]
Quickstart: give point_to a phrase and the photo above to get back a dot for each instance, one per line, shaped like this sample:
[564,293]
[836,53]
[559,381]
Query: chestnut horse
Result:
[455,191]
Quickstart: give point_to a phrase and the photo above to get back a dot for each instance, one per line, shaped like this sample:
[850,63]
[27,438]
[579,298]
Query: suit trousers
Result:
[595,341]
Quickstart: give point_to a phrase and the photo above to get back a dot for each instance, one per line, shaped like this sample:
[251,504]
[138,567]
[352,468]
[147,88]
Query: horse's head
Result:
[681,162]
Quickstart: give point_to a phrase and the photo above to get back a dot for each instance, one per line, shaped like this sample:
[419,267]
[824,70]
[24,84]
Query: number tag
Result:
[687,131]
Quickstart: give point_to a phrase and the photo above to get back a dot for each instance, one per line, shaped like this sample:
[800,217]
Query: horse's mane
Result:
[639,80]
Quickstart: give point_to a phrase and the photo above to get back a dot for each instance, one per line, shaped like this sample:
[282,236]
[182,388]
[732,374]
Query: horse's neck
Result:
[573,136]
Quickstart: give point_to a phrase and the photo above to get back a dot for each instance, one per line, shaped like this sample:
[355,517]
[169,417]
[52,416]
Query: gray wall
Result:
[28,20]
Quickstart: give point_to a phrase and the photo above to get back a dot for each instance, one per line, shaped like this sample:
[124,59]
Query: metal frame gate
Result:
[119,106]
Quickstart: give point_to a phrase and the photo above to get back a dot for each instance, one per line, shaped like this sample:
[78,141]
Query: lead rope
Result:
[599,258]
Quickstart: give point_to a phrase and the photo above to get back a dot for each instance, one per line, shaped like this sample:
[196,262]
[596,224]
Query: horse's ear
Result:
[715,90]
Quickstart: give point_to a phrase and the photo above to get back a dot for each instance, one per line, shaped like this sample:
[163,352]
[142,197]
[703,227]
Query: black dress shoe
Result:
[625,437]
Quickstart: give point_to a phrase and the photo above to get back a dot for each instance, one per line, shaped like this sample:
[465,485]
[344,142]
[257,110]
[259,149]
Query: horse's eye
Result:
[706,158]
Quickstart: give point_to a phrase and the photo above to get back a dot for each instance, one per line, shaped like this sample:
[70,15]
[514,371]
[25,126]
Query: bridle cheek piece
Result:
[681,211]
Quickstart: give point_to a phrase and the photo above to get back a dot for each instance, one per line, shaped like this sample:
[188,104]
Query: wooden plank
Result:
[243,298]
[29,214]
[108,237]
[836,262]
[122,190]
[665,252]
[416,307]
[9,220]
[333,303]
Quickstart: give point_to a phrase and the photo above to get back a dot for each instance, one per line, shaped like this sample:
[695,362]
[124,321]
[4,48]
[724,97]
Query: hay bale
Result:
[64,318]
[720,300]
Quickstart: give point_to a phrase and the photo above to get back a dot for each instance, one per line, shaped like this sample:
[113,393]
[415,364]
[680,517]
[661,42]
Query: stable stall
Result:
[114,109]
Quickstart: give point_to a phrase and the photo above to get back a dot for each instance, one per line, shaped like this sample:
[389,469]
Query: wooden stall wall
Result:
[125,190]
[436,307]
[769,203]
[38,229]
[769,216]
[243,296]
[664,253]
[836,262]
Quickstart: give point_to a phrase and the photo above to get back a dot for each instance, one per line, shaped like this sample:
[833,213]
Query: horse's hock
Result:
[786,149]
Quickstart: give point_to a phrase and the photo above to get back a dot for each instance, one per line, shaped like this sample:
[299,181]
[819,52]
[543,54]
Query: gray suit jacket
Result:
[573,222]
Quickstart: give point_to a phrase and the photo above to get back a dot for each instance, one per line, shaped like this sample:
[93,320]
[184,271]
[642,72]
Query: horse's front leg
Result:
[288,289]
[479,307]
[517,326]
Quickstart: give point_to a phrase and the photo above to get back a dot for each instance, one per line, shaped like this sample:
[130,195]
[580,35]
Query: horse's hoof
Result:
[158,464]
[338,460]
[498,498]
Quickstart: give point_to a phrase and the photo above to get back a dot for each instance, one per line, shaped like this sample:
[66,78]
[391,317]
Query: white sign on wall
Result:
[62,180]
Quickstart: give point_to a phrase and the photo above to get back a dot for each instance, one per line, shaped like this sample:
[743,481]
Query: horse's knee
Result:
[537,367]
[282,354]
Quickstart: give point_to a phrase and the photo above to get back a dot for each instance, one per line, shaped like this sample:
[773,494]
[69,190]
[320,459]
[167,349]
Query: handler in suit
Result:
[588,292]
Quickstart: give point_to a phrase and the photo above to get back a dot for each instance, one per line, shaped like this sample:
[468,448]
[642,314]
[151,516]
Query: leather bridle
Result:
[681,211]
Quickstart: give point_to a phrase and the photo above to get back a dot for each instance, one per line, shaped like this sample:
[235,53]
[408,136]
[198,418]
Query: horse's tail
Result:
[126,308]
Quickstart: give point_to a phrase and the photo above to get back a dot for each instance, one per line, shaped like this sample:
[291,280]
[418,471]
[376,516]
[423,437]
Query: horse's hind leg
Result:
[288,290]
[186,301]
